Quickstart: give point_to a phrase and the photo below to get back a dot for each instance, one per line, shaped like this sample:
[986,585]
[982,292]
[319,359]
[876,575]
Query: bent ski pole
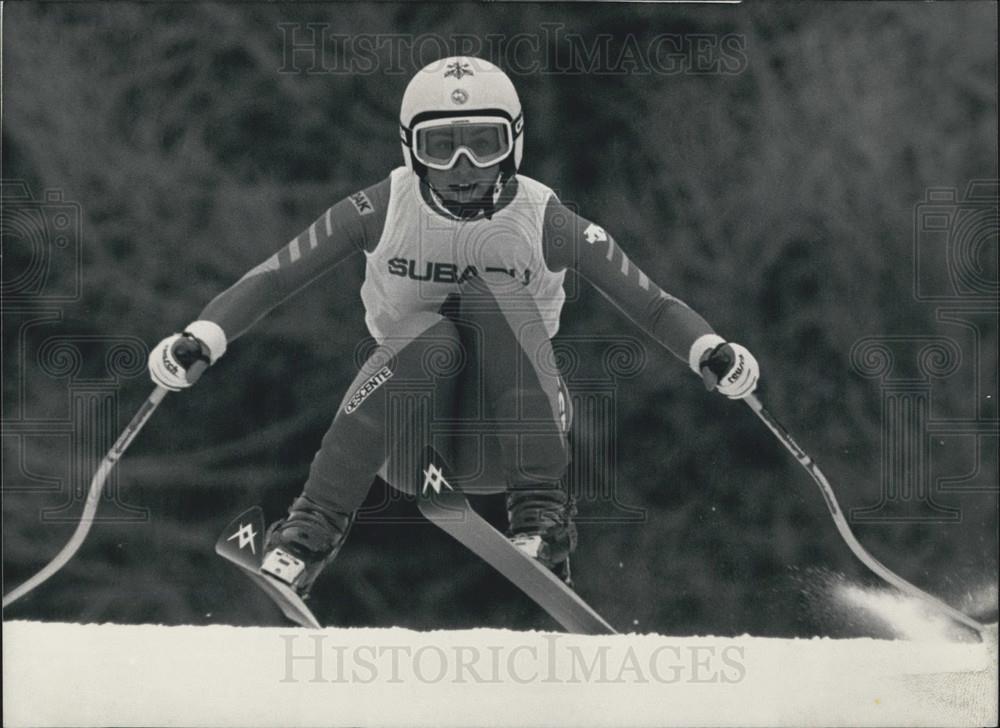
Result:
[96,488]
[841,522]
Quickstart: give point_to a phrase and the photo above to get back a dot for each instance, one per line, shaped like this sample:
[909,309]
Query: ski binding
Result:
[242,543]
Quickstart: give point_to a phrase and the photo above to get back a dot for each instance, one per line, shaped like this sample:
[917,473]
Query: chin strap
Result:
[485,206]
[498,186]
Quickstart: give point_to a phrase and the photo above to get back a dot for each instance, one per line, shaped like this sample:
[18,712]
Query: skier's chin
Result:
[465,186]
[463,193]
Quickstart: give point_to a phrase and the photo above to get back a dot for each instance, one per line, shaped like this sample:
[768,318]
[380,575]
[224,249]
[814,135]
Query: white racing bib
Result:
[422,256]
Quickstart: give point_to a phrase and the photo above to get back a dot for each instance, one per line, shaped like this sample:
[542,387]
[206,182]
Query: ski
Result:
[242,543]
[450,511]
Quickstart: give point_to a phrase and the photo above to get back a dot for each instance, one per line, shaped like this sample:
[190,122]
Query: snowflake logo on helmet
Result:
[459,96]
[458,69]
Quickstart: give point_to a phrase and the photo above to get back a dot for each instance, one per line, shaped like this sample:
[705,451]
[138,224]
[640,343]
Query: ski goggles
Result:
[484,140]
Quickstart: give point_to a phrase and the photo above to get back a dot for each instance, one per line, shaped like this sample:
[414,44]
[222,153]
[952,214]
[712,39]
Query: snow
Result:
[904,617]
[71,674]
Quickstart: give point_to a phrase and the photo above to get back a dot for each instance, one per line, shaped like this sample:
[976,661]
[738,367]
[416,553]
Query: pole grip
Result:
[195,371]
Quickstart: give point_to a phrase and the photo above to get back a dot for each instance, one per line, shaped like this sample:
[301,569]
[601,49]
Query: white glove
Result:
[729,368]
[170,360]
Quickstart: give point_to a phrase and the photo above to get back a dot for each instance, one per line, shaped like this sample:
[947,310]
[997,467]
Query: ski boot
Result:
[541,526]
[297,548]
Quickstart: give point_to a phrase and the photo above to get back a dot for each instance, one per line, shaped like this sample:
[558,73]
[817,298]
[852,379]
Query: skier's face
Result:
[464,182]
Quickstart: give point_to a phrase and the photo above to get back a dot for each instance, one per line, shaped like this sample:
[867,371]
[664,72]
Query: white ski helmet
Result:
[462,88]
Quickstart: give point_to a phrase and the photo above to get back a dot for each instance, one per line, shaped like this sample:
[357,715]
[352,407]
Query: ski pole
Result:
[96,488]
[841,522]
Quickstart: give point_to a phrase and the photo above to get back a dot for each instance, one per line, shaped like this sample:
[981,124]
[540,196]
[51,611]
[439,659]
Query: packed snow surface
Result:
[87,675]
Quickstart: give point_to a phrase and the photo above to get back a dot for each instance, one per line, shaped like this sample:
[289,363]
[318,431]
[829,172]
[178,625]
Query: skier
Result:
[464,267]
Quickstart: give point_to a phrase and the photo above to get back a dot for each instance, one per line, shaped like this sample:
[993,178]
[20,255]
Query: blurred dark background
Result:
[774,186]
